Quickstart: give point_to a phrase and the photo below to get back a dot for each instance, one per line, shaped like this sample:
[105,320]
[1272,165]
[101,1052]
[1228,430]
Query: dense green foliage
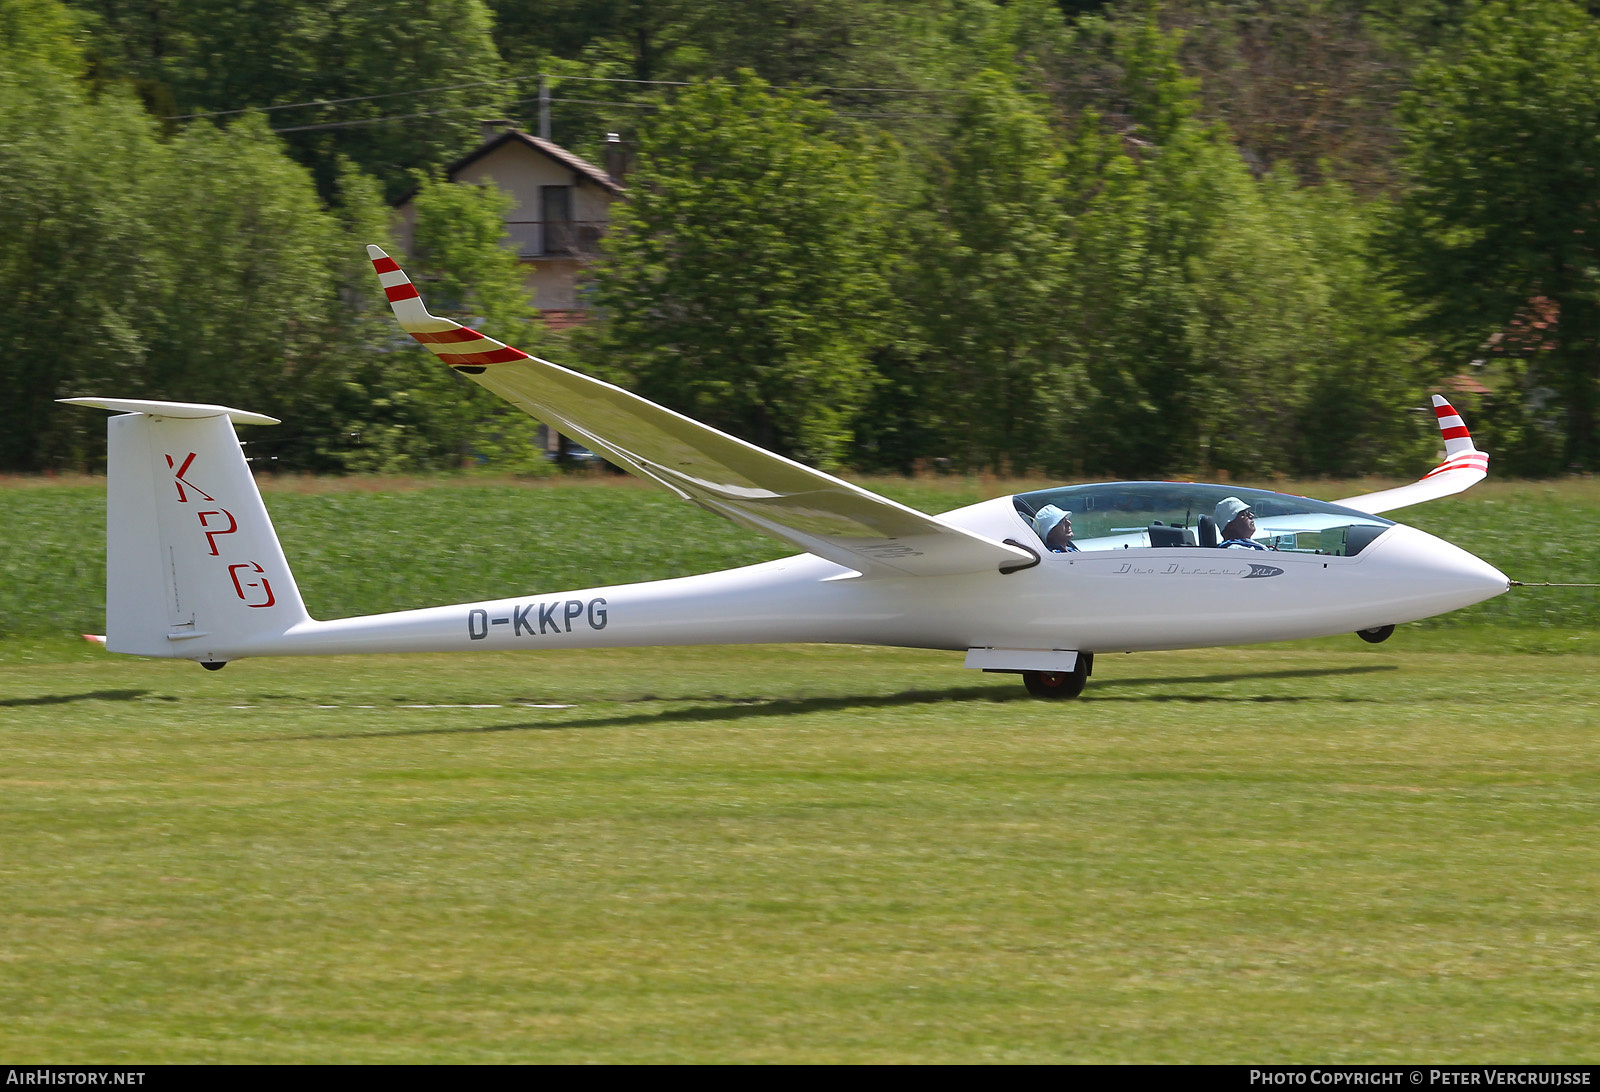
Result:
[983,334]
[189,57]
[743,285]
[1135,237]
[200,268]
[1502,219]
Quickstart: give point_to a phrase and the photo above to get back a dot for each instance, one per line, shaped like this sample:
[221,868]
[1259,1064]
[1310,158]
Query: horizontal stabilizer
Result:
[184,410]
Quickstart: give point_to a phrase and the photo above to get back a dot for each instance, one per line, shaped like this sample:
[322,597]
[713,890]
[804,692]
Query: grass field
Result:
[799,854]
[1325,851]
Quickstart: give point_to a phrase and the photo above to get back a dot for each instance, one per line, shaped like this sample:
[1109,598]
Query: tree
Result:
[41,32]
[200,269]
[787,42]
[197,56]
[253,295]
[653,39]
[1502,156]
[981,276]
[1307,83]
[1216,314]
[742,283]
[73,250]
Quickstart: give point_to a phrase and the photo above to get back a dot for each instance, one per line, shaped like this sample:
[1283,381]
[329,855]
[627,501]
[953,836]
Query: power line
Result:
[417,115]
[592,102]
[383,120]
[607,102]
[615,79]
[445,110]
[899,90]
[845,114]
[534,76]
[340,102]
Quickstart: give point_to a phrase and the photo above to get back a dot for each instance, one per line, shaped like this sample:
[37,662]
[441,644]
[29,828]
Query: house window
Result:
[556,211]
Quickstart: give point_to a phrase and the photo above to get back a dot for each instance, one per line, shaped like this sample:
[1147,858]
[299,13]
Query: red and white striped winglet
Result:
[461,347]
[1457,439]
[1463,467]
[1476,461]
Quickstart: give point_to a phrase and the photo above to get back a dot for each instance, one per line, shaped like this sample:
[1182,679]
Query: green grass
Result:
[363,546]
[1317,853]
[1324,851]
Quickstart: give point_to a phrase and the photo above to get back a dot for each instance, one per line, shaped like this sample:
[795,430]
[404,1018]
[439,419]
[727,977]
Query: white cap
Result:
[1045,520]
[1228,510]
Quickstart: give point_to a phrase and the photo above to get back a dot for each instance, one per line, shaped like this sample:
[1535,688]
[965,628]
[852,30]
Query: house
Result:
[563,204]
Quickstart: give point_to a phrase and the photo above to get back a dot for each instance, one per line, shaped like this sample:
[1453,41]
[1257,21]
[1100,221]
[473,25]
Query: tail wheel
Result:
[1060,684]
[1375,636]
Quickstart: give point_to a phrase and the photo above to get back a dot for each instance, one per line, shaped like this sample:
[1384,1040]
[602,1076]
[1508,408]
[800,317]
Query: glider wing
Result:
[1463,466]
[817,512]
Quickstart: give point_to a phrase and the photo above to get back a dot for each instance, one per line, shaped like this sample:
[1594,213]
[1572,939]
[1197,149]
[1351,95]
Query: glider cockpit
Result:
[1124,515]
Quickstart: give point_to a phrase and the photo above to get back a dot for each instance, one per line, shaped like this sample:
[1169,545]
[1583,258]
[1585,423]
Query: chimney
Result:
[616,158]
[488,130]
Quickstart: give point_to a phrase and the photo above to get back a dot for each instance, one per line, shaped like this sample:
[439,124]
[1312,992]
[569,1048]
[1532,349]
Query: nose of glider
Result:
[1435,575]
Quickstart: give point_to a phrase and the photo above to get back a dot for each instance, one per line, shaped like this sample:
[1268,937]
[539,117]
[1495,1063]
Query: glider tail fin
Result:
[193,566]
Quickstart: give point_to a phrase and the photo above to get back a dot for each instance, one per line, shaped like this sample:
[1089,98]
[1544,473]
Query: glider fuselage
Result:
[1103,600]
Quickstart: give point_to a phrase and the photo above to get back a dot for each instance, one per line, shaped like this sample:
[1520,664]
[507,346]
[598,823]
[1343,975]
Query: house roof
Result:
[572,162]
[1464,384]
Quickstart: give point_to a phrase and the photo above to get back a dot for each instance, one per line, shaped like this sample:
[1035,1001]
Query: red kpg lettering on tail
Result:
[179,481]
[213,531]
[248,589]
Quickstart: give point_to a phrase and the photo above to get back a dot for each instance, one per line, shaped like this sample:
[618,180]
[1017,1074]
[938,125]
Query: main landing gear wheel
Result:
[1060,684]
[1376,635]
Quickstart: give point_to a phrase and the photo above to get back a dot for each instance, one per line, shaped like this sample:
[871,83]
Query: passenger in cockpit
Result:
[1238,525]
[1054,526]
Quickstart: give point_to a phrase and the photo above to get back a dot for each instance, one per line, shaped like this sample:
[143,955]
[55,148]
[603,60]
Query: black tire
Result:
[1377,635]
[1057,684]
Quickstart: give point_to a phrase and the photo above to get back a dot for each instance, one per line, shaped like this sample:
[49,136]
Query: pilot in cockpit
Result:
[1238,525]
[1054,526]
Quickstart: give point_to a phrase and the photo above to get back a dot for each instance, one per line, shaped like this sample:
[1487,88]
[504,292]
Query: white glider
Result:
[194,569]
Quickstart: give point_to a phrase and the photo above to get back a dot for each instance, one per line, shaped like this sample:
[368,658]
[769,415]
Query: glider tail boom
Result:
[192,560]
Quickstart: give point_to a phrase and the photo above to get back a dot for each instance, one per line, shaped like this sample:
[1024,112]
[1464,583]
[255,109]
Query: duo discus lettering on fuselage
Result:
[538,619]
[1176,569]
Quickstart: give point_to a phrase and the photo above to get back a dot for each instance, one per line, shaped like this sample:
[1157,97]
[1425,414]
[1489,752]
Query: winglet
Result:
[1463,467]
[403,295]
[461,347]
[1457,440]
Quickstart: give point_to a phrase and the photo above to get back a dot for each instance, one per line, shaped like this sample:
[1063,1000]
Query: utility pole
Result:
[544,108]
